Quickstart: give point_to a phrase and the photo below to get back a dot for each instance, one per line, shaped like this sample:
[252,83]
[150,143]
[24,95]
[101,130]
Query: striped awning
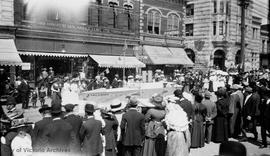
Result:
[117,61]
[8,53]
[51,54]
[167,56]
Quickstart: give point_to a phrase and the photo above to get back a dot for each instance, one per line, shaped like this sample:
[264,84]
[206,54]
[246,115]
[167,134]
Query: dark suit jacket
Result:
[76,123]
[250,108]
[187,107]
[23,88]
[132,128]
[90,134]
[39,130]
[59,134]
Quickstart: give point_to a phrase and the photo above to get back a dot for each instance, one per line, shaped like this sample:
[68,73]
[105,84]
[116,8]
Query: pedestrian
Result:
[59,135]
[178,134]
[42,94]
[23,89]
[76,122]
[117,108]
[265,112]
[90,133]
[221,127]
[198,124]
[34,97]
[38,138]
[132,130]
[56,95]
[115,83]
[110,130]
[234,109]
[154,144]
[185,104]
[211,114]
[249,113]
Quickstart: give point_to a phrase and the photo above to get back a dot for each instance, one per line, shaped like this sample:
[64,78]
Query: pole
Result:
[124,70]
[243,36]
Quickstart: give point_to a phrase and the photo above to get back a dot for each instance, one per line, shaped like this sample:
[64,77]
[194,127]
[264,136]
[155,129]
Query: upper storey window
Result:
[190,10]
[153,22]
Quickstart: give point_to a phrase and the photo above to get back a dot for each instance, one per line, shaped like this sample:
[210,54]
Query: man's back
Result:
[132,128]
[187,107]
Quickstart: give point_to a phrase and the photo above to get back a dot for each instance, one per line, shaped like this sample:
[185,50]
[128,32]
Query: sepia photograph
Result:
[135,77]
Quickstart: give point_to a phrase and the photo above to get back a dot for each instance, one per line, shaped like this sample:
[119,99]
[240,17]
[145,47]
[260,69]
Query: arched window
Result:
[153,22]
[173,25]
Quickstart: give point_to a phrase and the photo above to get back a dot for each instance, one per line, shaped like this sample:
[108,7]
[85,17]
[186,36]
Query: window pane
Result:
[214,27]
[215,6]
[221,7]
[221,28]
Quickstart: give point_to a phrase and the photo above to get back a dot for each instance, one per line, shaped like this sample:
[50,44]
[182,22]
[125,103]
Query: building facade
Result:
[162,35]
[265,48]
[213,33]
[65,35]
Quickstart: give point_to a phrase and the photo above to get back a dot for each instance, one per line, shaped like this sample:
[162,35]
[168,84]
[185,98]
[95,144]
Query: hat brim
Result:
[56,111]
[44,109]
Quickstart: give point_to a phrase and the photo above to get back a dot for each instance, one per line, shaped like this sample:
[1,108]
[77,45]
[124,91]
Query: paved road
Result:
[209,150]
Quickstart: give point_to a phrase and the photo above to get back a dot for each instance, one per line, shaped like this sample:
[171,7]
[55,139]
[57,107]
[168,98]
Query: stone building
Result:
[73,36]
[265,48]
[213,33]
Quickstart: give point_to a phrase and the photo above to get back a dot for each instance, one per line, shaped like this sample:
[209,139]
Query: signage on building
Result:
[160,40]
[199,44]
[26,66]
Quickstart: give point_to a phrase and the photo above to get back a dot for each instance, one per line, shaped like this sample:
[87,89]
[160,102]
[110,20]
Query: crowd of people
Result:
[203,108]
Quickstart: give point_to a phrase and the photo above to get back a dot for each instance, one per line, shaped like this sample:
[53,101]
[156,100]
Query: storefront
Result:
[62,63]
[10,61]
[111,65]
[166,58]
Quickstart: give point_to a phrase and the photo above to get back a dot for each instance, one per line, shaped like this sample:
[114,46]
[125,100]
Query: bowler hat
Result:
[56,108]
[89,108]
[70,107]
[44,108]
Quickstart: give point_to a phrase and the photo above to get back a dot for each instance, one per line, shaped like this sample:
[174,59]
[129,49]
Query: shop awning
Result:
[169,56]
[52,54]
[8,53]
[117,61]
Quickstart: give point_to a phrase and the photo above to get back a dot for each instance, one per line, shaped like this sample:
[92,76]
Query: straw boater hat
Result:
[116,105]
[133,101]
[18,123]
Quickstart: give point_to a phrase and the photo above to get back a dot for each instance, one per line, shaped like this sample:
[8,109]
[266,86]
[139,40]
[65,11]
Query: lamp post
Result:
[243,4]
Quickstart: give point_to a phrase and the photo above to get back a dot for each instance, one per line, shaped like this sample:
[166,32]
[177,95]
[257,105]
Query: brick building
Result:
[73,35]
[161,35]
[213,33]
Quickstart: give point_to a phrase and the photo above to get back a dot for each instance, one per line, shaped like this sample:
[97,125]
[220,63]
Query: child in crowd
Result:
[42,94]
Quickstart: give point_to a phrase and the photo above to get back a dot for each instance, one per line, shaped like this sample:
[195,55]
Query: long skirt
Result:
[154,146]
[220,132]
[178,143]
[197,134]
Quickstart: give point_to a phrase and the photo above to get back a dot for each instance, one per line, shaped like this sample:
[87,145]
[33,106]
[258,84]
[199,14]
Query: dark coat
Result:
[187,107]
[59,134]
[132,128]
[23,88]
[76,123]
[90,135]
[109,130]
[221,127]
[39,131]
[115,83]
[56,98]
[250,108]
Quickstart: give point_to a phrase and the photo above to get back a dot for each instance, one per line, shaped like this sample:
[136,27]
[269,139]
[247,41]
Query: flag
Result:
[125,45]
